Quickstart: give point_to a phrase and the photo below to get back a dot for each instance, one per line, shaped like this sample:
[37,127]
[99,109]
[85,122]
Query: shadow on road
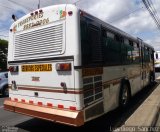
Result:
[1,96]
[105,123]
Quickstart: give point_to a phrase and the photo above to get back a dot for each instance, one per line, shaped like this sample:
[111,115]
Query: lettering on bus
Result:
[92,71]
[37,23]
[28,22]
[36,79]
[30,18]
[36,68]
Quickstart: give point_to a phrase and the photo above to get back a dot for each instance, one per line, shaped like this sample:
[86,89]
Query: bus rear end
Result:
[42,79]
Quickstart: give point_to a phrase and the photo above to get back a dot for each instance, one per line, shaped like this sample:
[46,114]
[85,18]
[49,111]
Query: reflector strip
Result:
[40,103]
[60,106]
[72,108]
[49,104]
[23,100]
[31,102]
[15,99]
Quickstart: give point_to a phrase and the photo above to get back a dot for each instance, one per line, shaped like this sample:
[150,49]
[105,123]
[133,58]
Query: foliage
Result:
[3,54]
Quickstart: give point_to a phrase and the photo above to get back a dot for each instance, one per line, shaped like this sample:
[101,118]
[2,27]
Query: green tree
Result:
[3,54]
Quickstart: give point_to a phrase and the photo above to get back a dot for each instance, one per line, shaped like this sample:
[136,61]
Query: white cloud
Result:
[128,16]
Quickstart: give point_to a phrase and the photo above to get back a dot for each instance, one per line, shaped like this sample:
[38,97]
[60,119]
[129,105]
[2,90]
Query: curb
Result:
[146,116]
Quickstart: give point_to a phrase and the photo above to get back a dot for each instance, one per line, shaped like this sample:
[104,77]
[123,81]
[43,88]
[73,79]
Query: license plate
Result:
[37,68]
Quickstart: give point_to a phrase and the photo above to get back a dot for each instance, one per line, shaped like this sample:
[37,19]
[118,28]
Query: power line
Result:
[150,7]
[6,7]
[77,2]
[126,15]
[29,9]
[154,10]
[10,8]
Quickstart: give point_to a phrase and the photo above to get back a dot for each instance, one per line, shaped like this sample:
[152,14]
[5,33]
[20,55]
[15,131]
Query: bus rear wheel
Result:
[124,96]
[151,78]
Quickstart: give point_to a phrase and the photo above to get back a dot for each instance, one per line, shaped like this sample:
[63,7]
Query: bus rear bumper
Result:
[74,118]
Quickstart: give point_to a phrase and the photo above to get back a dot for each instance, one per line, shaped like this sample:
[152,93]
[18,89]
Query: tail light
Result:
[13,69]
[63,66]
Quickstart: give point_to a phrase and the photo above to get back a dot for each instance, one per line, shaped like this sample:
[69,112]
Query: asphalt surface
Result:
[21,123]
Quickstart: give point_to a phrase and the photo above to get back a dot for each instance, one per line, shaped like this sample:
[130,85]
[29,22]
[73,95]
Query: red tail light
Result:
[13,69]
[60,106]
[72,108]
[63,66]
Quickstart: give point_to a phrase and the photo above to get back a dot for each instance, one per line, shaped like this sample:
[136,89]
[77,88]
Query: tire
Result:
[5,91]
[124,96]
[151,78]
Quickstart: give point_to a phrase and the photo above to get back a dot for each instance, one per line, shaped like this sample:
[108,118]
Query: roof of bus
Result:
[116,30]
[25,16]
[110,27]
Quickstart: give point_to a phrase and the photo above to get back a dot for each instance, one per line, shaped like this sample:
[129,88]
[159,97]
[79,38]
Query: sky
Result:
[130,16]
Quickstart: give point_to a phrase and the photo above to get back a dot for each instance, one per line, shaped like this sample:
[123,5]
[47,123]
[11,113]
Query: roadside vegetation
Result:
[3,54]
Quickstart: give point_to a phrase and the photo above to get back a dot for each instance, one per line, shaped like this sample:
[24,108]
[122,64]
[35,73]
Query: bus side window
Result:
[124,51]
[146,55]
[85,47]
[130,52]
[112,49]
[136,55]
[91,44]
[127,49]
[156,55]
[95,43]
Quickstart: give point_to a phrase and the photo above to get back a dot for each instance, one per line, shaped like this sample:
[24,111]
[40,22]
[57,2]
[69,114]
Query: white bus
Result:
[69,67]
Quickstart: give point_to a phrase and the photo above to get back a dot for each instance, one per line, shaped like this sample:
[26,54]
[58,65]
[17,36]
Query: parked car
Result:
[4,83]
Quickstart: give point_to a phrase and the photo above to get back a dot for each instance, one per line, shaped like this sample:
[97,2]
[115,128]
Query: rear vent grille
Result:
[39,43]
[94,111]
[92,89]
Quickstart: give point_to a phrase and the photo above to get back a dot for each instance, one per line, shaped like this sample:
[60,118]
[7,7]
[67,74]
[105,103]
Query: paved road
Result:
[102,124]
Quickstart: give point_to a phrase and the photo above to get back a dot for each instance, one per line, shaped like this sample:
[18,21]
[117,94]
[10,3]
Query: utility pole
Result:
[39,4]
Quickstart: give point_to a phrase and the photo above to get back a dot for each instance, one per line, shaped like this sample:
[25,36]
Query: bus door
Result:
[143,67]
